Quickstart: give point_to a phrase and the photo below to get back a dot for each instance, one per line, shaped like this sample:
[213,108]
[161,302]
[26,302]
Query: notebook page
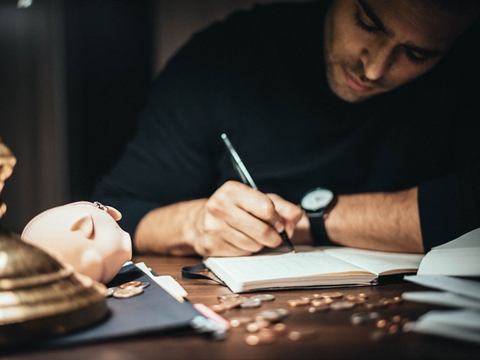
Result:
[266,267]
[377,262]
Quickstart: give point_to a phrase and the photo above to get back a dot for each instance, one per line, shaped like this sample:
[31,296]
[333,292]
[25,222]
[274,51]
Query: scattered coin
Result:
[364,317]
[144,284]
[248,303]
[111,290]
[258,339]
[320,308]
[231,303]
[218,308]
[257,325]
[381,323]
[242,320]
[376,305]
[131,284]
[302,335]
[342,305]
[331,295]
[321,302]
[298,302]
[279,328]
[127,292]
[274,315]
[227,296]
[263,297]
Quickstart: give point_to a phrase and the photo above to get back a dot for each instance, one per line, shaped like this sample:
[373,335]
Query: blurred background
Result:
[73,77]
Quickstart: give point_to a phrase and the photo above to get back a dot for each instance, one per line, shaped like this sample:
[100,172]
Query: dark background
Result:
[73,76]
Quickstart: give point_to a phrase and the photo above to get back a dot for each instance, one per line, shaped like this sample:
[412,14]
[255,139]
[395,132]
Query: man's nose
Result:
[377,60]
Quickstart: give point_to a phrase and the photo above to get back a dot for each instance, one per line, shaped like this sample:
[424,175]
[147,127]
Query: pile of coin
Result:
[127,290]
[231,301]
[330,300]
[266,326]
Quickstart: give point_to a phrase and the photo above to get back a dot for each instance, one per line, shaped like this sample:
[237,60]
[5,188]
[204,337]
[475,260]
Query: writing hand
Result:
[239,220]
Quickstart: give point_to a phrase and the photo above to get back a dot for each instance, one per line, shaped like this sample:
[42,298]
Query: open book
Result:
[459,257]
[317,267]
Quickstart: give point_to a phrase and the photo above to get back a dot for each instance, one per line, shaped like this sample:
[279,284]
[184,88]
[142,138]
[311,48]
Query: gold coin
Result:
[218,308]
[127,292]
[331,295]
[298,302]
[376,305]
[315,309]
[227,296]
[301,334]
[131,284]
[242,320]
[381,323]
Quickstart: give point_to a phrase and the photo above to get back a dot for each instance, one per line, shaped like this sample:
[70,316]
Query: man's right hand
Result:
[236,220]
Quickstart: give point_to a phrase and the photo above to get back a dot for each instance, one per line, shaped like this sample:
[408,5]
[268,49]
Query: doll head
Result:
[83,234]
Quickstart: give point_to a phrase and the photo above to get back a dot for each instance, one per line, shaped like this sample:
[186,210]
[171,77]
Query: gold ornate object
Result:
[41,298]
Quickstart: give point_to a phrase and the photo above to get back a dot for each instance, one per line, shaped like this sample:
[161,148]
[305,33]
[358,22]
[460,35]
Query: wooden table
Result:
[334,337]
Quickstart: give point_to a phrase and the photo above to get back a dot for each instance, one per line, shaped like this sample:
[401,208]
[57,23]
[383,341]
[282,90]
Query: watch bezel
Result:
[319,210]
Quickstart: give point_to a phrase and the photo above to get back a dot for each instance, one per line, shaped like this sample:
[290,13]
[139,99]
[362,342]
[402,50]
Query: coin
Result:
[263,297]
[257,339]
[127,292]
[298,302]
[376,305]
[227,296]
[111,290]
[257,325]
[342,305]
[381,335]
[218,308]
[231,303]
[364,317]
[248,303]
[144,284]
[381,323]
[321,302]
[279,328]
[274,315]
[331,295]
[242,320]
[302,334]
[131,284]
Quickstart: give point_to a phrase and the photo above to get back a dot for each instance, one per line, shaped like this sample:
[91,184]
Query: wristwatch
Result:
[317,203]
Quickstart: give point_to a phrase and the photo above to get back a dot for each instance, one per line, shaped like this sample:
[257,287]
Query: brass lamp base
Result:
[41,298]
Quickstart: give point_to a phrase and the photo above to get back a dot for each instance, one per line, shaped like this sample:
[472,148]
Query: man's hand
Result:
[236,220]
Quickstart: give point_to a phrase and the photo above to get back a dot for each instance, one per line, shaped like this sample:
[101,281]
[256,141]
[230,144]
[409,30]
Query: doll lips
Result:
[354,84]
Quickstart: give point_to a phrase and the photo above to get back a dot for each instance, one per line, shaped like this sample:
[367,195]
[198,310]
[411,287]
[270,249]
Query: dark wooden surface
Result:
[335,336]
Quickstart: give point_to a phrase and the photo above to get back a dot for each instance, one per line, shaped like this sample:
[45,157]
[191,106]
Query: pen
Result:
[247,179]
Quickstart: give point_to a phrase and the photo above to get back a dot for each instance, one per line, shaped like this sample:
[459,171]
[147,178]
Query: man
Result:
[357,96]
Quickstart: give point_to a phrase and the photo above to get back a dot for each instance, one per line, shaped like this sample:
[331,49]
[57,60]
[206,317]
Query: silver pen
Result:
[247,179]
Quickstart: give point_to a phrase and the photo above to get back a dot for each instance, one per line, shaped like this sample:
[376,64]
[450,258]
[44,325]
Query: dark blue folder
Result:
[153,311]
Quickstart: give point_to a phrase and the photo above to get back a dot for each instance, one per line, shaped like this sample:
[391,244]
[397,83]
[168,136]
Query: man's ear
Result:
[85,225]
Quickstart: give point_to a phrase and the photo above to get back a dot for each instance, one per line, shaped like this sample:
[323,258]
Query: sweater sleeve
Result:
[449,206]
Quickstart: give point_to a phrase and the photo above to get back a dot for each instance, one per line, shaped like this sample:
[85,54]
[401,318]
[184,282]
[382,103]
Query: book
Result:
[459,257]
[310,267]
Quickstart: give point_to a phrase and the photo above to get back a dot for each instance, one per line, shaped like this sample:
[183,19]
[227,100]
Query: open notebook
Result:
[310,268]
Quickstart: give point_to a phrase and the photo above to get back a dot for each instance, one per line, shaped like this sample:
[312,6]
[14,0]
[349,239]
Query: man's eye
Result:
[366,25]
[414,57]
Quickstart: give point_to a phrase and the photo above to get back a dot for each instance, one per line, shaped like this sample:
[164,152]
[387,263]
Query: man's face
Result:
[374,46]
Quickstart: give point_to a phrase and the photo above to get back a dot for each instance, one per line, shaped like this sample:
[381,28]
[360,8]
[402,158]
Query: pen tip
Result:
[294,252]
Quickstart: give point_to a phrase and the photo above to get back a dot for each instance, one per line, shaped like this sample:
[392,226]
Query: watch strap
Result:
[317,226]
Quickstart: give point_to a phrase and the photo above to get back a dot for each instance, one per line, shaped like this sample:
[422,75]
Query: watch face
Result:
[316,199]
